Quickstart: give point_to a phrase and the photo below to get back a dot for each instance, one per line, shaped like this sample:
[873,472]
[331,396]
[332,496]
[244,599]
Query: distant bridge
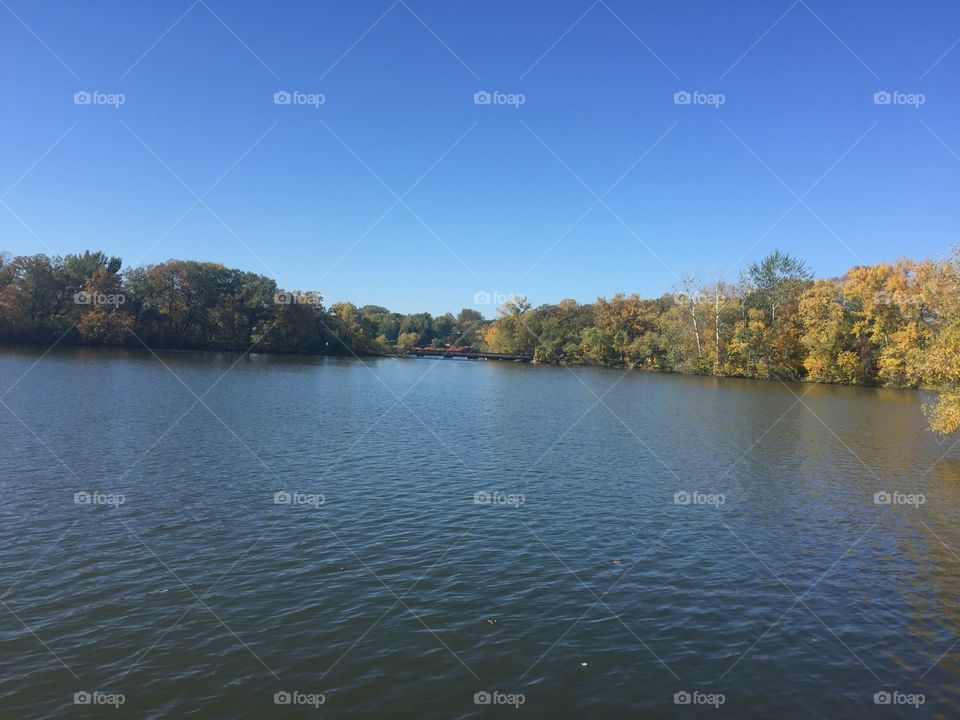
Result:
[466,353]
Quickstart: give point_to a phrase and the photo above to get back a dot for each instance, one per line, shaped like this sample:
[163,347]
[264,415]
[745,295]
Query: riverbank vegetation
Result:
[893,324]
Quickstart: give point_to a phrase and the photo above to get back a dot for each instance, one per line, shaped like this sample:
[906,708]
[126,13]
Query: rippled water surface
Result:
[794,594]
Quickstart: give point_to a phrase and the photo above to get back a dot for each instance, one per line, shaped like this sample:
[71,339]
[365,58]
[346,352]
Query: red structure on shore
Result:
[464,351]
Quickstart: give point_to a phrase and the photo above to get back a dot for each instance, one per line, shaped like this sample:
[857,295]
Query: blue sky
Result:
[493,198]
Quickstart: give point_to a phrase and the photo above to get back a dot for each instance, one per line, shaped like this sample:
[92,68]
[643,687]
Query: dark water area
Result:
[194,533]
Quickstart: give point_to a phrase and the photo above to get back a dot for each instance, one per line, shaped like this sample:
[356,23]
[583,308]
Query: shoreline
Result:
[46,349]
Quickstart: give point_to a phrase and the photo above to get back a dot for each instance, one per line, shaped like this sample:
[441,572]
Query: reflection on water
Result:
[791,592]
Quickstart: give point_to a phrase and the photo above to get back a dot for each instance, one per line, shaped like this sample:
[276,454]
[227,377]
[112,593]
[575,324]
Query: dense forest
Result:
[887,324]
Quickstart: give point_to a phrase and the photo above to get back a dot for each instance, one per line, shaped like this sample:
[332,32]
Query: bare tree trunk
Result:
[696,329]
[688,287]
[716,325]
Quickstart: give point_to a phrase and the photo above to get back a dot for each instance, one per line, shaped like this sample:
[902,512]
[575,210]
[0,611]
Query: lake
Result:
[217,535]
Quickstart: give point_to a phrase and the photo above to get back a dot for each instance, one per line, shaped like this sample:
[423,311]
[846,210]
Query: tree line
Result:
[185,304]
[893,324]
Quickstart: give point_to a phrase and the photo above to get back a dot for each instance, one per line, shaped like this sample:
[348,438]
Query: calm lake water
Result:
[780,588]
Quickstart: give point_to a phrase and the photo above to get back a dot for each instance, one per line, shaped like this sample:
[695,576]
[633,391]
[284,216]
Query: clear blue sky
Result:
[496,212]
